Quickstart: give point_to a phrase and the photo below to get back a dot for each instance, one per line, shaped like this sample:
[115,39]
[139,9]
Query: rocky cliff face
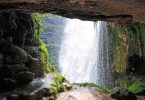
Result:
[117,11]
[19,58]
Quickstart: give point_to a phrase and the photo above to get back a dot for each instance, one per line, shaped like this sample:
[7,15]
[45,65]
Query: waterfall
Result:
[79,56]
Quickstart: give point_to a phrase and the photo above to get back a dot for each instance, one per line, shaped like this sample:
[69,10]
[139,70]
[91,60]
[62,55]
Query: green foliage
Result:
[136,86]
[43,52]
[100,87]
[58,86]
[40,25]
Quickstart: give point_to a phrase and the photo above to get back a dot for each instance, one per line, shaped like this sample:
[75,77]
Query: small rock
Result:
[39,93]
[46,92]
[122,94]
[12,97]
[3,98]
[67,85]
[31,96]
[47,98]
[24,77]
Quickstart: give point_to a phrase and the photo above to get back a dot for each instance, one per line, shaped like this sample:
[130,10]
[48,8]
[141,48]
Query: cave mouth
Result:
[78,49]
[116,51]
[45,52]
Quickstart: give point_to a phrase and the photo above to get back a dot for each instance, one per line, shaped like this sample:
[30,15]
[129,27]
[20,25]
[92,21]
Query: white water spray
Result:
[79,50]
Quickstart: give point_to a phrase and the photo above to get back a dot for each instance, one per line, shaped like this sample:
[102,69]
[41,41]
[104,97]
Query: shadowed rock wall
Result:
[19,51]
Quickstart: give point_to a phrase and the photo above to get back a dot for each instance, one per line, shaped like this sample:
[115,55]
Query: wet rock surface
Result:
[122,94]
[83,95]
[38,89]
[136,64]
[18,66]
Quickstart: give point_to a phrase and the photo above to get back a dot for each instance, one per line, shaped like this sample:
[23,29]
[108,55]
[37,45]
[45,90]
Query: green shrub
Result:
[58,86]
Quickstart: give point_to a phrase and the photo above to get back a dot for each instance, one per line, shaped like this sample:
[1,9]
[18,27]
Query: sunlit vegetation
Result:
[136,86]
[58,87]
[133,86]
[43,52]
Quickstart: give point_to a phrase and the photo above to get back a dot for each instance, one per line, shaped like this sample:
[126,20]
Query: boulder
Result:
[20,56]
[13,53]
[24,77]
[29,59]
[36,67]
[18,68]
[67,85]
[11,70]
[33,51]
[12,97]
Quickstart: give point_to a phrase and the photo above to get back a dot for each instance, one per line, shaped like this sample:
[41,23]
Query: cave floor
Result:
[87,95]
[83,95]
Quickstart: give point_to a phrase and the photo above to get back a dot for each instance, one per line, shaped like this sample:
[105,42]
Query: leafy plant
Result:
[136,86]
[58,86]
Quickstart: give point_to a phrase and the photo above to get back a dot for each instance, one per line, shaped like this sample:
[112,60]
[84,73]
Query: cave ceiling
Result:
[117,11]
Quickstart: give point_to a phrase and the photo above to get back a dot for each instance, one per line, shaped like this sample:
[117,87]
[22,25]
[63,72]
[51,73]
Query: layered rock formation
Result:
[117,11]
[19,58]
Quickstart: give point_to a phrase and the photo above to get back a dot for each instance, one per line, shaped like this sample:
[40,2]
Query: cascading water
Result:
[79,57]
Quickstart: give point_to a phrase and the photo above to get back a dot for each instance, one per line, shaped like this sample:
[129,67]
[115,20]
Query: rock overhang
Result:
[116,11]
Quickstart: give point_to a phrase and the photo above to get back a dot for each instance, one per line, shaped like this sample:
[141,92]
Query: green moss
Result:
[86,84]
[43,52]
[100,87]
[118,47]
[135,86]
